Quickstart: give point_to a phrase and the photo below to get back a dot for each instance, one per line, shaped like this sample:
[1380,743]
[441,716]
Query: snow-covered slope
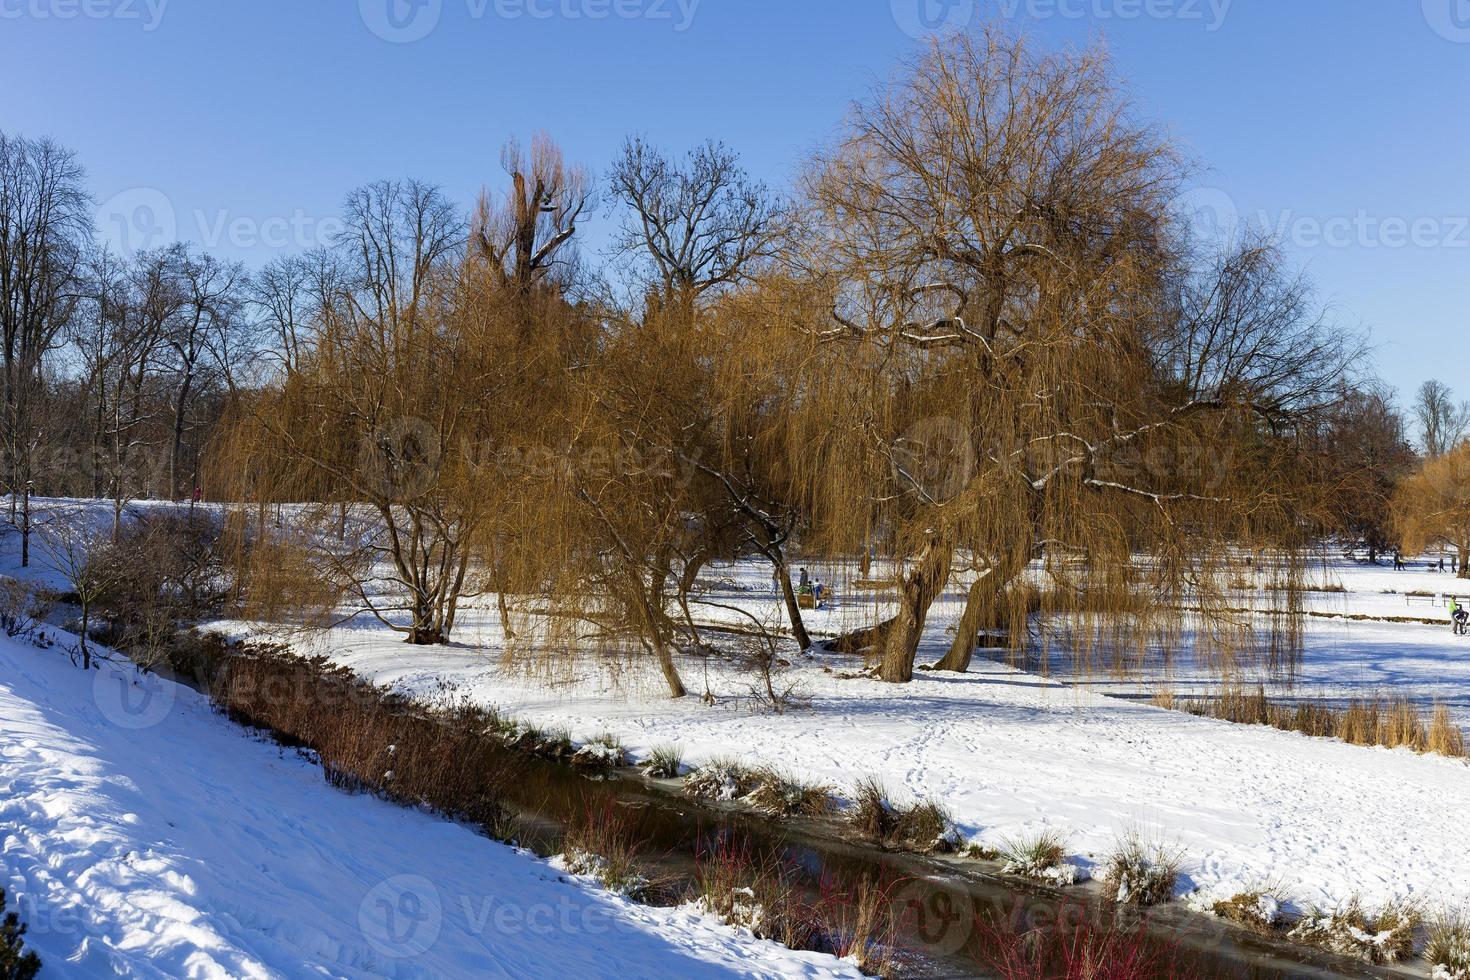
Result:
[143,836]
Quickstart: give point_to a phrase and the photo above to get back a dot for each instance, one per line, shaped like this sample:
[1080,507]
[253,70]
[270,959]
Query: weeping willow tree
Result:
[432,355]
[1020,360]
[1433,505]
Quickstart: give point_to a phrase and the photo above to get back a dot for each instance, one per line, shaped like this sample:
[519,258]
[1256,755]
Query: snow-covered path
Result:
[143,836]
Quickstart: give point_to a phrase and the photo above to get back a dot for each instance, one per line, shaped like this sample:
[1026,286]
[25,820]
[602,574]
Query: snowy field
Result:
[143,836]
[1009,752]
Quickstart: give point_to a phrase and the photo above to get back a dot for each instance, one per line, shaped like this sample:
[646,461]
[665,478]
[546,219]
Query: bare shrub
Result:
[171,571]
[23,607]
[369,739]
[1079,949]
[758,894]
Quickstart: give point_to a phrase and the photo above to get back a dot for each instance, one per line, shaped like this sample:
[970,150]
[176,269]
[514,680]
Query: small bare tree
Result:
[87,561]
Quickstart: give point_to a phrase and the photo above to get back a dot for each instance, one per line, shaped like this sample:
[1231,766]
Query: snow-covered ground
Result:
[141,835]
[1009,751]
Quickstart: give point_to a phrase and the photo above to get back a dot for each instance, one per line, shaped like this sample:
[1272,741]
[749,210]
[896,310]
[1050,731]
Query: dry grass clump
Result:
[768,790]
[871,816]
[1447,948]
[1445,737]
[603,752]
[925,827]
[1387,937]
[859,926]
[1041,856]
[664,762]
[1257,909]
[1142,873]
[721,780]
[1392,722]
[780,795]
[601,846]
[853,921]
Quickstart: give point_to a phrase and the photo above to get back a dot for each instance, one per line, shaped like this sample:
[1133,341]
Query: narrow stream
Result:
[957,912]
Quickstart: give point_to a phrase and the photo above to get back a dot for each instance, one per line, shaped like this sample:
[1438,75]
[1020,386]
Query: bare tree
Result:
[1442,421]
[201,344]
[289,295]
[43,222]
[381,412]
[526,236]
[695,225]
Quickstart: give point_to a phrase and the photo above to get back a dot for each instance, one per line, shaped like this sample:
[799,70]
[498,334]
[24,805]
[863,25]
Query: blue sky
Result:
[241,123]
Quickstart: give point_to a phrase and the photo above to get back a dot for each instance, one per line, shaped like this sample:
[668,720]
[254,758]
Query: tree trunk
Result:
[983,610]
[793,606]
[917,593]
[665,657]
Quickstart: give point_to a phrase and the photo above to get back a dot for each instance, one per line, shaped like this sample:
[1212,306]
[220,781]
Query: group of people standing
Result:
[1453,567]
